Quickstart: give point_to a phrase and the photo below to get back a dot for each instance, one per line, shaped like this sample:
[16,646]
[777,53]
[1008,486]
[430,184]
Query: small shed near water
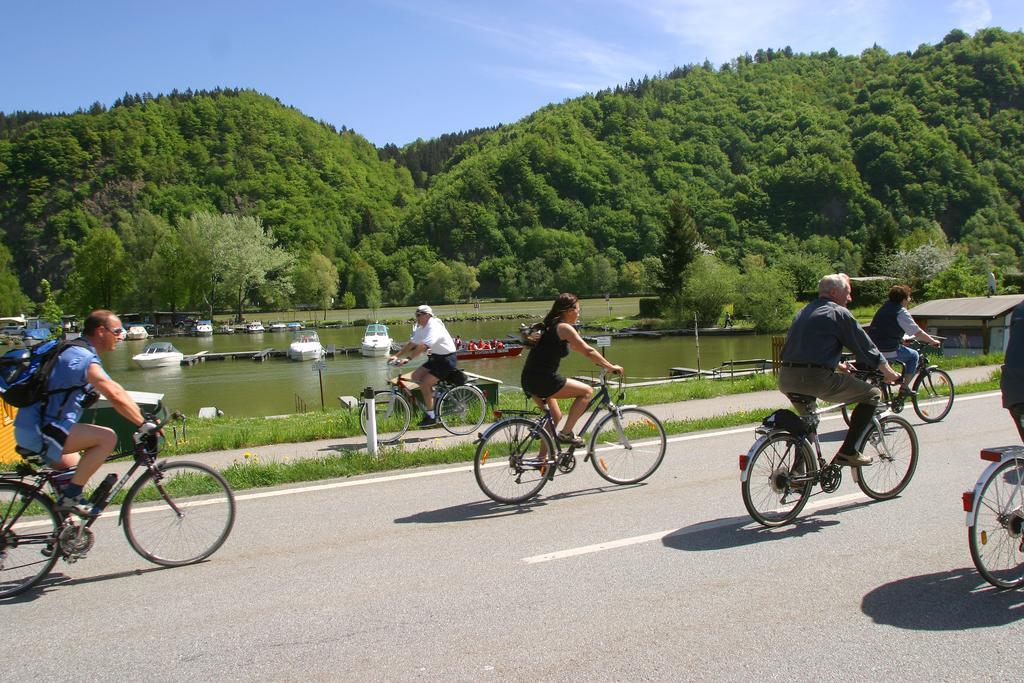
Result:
[971,325]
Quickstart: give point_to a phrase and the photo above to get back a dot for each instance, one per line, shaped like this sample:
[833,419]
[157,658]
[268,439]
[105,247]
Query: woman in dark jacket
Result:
[540,377]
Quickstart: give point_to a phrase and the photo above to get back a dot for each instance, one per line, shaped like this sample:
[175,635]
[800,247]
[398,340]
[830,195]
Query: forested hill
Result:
[232,151]
[842,158]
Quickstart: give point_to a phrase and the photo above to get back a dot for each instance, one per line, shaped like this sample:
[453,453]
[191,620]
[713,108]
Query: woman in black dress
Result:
[540,377]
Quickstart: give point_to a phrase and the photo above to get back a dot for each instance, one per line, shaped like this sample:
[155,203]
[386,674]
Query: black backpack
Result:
[24,374]
[531,334]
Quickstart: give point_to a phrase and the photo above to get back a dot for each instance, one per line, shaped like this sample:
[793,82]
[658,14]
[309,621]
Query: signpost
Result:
[318,367]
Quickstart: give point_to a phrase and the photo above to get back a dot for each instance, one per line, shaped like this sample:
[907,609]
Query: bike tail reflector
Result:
[743,462]
[991,454]
[968,501]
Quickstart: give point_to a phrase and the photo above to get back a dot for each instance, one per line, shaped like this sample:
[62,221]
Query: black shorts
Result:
[439,366]
[542,386]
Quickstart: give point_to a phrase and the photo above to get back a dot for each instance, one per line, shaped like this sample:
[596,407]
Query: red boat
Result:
[509,351]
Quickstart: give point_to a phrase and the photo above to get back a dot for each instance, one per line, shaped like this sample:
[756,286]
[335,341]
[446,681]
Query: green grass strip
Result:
[250,473]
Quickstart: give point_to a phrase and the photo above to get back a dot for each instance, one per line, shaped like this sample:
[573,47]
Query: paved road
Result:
[416,576]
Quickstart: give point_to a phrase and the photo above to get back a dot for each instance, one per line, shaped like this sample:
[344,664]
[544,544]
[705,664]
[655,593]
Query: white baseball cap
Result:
[424,309]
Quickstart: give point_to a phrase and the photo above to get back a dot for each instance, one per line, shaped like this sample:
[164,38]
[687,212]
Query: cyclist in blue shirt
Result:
[51,427]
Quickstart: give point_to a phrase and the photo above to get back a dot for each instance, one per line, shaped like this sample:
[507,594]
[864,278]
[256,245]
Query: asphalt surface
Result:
[415,575]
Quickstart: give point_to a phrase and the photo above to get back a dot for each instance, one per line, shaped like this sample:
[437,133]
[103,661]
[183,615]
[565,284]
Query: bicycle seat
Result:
[30,456]
[802,398]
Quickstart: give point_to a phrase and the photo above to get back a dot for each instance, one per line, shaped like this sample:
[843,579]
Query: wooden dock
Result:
[330,351]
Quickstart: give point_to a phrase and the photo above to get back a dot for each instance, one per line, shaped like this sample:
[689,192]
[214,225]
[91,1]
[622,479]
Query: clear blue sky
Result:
[397,70]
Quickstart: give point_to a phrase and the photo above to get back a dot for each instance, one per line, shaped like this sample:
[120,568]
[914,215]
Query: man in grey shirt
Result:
[811,361]
[1012,383]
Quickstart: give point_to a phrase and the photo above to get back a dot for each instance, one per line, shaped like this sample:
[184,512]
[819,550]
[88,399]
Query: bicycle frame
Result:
[812,442]
[44,478]
[599,401]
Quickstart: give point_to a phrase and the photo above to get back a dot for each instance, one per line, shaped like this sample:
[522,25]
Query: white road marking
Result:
[658,535]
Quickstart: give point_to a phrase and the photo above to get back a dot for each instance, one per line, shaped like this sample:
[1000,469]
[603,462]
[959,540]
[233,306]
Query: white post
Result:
[371,421]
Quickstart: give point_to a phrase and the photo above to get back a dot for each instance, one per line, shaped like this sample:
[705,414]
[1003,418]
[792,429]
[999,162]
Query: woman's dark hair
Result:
[563,303]
[899,293]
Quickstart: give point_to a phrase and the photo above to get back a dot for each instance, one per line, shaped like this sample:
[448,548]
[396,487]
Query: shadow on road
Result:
[488,509]
[945,601]
[735,532]
[55,580]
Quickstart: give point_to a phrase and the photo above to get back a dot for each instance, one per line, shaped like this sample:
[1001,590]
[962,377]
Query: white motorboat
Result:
[305,346]
[295,326]
[203,328]
[278,327]
[376,340]
[254,327]
[225,329]
[136,332]
[158,355]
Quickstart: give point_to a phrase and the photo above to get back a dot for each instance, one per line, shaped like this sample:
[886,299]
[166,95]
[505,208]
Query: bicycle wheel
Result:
[768,493]
[180,516]
[392,413]
[28,536]
[462,409]
[935,387]
[894,451]
[628,445]
[995,538]
[514,461]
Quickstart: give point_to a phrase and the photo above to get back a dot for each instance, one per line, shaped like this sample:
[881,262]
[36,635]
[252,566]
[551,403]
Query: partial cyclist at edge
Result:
[1012,382]
[431,336]
[540,378]
[51,428]
[893,324]
[811,361]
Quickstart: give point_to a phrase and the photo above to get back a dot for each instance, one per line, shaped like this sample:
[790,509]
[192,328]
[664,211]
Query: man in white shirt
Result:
[428,334]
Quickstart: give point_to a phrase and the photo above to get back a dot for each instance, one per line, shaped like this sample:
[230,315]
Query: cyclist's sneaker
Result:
[570,439]
[78,506]
[853,459]
[907,391]
[428,421]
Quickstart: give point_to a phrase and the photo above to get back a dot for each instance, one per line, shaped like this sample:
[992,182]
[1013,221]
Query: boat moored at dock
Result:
[136,332]
[158,355]
[376,341]
[305,345]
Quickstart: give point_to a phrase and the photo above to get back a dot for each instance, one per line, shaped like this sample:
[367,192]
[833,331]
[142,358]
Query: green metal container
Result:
[102,413]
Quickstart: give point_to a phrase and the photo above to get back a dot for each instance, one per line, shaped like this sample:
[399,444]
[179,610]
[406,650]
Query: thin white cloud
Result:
[972,14]
[724,29]
[544,54]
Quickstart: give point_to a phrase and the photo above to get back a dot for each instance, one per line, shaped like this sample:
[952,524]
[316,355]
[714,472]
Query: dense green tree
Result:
[100,275]
[365,286]
[316,280]
[959,279]
[679,248]
[708,285]
[12,300]
[400,287]
[49,309]
[765,297]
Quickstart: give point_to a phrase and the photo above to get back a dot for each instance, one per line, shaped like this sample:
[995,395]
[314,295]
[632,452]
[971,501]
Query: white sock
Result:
[430,414]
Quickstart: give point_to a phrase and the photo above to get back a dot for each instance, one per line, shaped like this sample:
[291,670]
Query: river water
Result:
[244,387]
